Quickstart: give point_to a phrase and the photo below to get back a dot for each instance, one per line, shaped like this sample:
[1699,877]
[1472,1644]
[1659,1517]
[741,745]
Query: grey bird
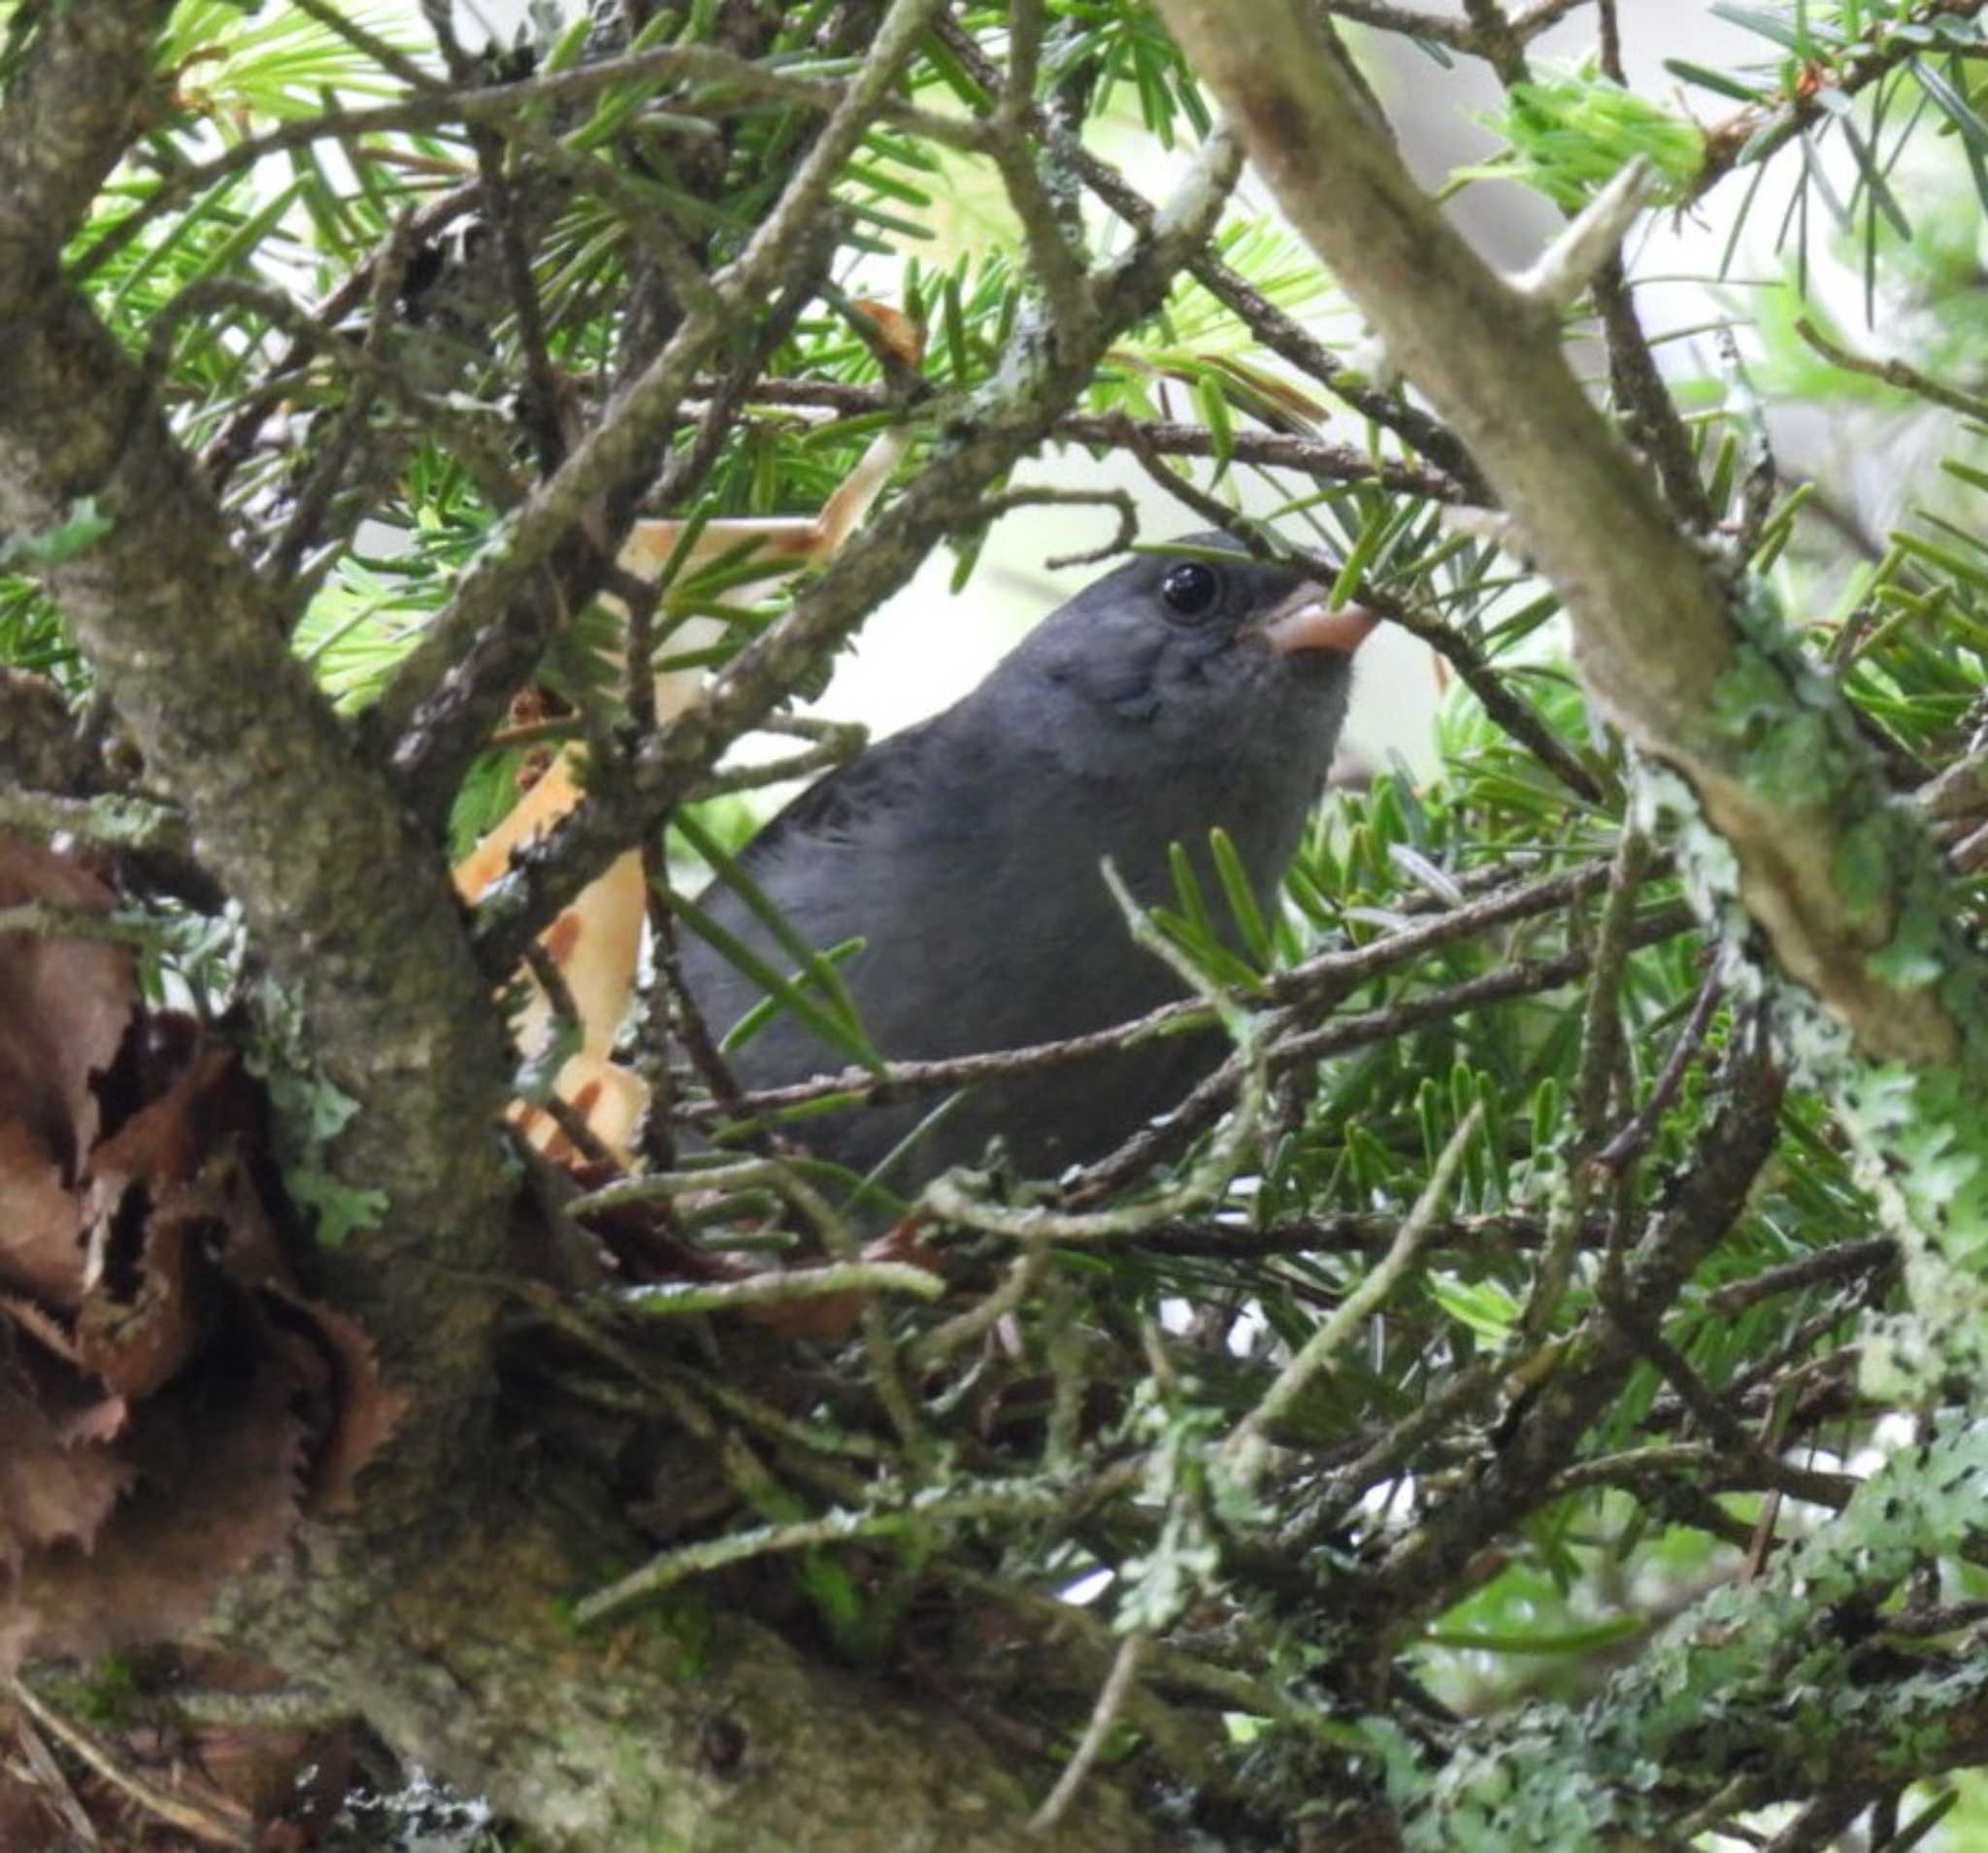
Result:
[1173,695]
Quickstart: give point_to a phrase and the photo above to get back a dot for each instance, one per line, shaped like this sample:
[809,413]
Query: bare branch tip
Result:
[1567,265]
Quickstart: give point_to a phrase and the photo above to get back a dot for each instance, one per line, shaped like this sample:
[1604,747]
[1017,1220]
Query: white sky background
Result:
[925,647]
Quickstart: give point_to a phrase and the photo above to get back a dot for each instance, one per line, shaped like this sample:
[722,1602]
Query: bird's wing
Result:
[855,796]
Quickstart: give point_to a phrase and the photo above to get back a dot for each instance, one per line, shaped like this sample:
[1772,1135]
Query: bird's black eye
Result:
[1191,589]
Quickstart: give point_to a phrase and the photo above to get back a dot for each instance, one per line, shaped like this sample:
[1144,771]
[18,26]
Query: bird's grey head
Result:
[1196,656]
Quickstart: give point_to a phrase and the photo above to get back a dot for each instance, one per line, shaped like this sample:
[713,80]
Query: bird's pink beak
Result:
[1305,622]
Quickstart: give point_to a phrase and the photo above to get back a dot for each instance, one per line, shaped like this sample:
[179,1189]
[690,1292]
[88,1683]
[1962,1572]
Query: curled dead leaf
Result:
[171,1402]
[53,1490]
[66,1006]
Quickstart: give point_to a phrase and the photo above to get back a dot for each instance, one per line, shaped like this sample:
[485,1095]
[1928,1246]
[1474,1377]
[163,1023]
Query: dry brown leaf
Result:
[174,1217]
[143,1319]
[353,1412]
[897,330]
[169,1399]
[54,1491]
[215,1462]
[164,1141]
[169,1204]
[40,1219]
[64,1004]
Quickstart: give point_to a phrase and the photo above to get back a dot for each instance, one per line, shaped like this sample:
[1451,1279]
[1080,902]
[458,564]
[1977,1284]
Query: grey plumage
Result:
[965,852]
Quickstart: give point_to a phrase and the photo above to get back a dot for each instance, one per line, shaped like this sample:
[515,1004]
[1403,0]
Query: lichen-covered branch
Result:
[705,1730]
[1000,426]
[75,103]
[1687,655]
[348,907]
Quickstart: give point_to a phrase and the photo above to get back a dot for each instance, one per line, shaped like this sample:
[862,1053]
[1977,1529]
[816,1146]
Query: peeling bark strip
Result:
[1834,872]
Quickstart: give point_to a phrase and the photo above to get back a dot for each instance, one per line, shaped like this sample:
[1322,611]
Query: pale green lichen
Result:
[1786,746]
[1919,1143]
[1783,729]
[1707,868]
[1756,1671]
[308,1114]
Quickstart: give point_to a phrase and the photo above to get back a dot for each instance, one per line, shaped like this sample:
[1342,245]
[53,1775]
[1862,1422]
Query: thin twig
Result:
[674,1299]
[1320,979]
[1054,236]
[304,529]
[1608,42]
[1894,372]
[953,1506]
[1325,979]
[482,456]
[1396,1449]
[1734,1439]
[1522,978]
[1247,1446]
[1644,399]
[541,394]
[1446,30]
[1601,1036]
[113,821]
[834,749]
[1496,44]
[1118,430]
[221,1822]
[1127,533]
[1091,1746]
[501,105]
[1495,695]
[220,458]
[380,51]
[947,1196]
[1873,1256]
[1637,1133]
[563,1027]
[51,921]
[1023,1275]
[51,1784]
